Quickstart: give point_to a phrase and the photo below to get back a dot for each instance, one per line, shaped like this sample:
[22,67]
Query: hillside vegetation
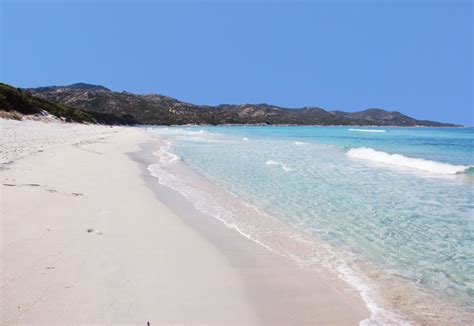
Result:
[163,110]
[15,100]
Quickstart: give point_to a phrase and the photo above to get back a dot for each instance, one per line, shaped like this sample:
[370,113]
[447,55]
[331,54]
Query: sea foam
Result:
[255,224]
[318,210]
[370,154]
[165,156]
[282,165]
[300,143]
[368,130]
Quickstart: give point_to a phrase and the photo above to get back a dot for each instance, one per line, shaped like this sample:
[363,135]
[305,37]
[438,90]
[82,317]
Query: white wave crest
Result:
[245,139]
[370,154]
[368,130]
[247,220]
[200,132]
[300,143]
[282,165]
[176,131]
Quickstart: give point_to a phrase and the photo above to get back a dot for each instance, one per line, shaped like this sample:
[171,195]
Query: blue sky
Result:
[411,56]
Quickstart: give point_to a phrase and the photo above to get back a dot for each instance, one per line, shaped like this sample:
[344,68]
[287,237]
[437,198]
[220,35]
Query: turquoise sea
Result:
[390,210]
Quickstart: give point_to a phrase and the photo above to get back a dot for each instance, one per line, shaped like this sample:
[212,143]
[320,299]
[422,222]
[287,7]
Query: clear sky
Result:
[415,56]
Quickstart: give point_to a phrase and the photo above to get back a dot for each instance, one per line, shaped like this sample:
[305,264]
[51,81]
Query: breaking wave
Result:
[368,130]
[300,143]
[370,154]
[373,285]
[265,230]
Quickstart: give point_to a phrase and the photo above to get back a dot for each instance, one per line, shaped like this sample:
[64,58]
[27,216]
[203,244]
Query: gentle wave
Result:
[368,130]
[177,131]
[384,294]
[300,143]
[370,154]
[266,231]
[276,163]
[165,156]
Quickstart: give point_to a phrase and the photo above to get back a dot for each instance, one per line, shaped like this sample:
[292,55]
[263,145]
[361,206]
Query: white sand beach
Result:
[86,239]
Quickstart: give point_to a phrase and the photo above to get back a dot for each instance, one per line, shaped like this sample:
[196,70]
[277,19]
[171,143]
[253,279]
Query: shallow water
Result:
[398,201]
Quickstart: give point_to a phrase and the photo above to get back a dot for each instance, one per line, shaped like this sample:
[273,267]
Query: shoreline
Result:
[295,125]
[292,245]
[391,298]
[95,247]
[103,250]
[256,263]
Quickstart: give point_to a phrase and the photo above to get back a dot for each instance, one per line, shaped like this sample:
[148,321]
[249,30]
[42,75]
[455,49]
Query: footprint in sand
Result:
[94,231]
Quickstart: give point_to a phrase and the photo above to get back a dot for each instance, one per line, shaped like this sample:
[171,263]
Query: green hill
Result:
[16,100]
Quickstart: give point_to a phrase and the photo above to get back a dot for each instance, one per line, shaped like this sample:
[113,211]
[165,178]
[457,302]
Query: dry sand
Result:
[86,238]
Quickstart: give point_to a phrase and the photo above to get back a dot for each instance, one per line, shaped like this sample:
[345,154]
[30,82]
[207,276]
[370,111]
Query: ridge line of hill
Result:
[95,103]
